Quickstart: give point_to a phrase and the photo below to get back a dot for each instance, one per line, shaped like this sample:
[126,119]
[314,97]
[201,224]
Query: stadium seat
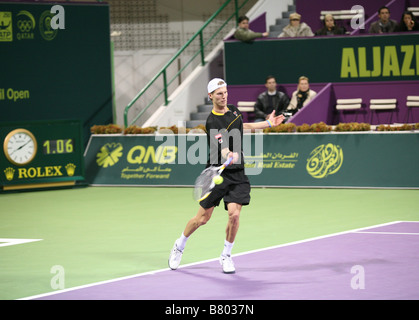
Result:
[246,106]
[348,105]
[339,14]
[383,105]
[414,10]
[411,102]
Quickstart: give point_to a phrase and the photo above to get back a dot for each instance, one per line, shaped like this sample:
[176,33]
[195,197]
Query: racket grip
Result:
[227,163]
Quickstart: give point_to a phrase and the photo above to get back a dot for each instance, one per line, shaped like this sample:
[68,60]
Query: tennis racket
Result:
[204,184]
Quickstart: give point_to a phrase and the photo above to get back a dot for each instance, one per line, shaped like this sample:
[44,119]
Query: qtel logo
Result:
[51,21]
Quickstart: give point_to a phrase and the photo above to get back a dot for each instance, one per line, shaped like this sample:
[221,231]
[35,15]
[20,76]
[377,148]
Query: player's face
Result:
[219,97]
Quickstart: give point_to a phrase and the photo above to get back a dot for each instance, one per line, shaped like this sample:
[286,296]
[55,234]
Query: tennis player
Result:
[225,135]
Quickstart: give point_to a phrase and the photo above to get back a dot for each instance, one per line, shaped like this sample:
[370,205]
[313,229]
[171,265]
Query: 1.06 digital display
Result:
[59,146]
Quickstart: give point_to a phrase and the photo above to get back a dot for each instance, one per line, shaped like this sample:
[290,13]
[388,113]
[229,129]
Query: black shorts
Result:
[234,189]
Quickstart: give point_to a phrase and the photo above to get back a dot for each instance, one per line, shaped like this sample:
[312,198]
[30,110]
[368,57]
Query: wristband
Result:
[269,123]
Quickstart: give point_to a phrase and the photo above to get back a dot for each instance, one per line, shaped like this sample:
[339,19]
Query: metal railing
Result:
[163,73]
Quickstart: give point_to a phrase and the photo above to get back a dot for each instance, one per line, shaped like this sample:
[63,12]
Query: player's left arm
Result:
[271,122]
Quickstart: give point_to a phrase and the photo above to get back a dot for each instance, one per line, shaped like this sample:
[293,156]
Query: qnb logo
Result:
[109,154]
[324,160]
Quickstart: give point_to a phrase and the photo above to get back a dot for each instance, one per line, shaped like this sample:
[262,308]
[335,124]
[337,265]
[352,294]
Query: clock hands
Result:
[20,147]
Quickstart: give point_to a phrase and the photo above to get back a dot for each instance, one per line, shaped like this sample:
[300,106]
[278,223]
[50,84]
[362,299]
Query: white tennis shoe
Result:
[175,257]
[227,263]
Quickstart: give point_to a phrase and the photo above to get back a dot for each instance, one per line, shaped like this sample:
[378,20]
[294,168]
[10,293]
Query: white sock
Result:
[227,248]
[181,242]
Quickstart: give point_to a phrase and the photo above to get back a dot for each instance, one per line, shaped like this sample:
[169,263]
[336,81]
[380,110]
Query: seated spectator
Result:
[270,100]
[243,33]
[329,29]
[384,24]
[302,96]
[408,22]
[296,28]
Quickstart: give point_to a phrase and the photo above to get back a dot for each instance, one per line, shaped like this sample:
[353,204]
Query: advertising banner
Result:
[392,57]
[359,160]
[39,154]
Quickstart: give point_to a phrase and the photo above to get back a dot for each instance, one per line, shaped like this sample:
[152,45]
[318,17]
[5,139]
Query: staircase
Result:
[276,29]
[201,116]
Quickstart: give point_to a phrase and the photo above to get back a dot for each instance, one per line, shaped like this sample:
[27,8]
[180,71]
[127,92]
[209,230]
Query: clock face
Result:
[20,147]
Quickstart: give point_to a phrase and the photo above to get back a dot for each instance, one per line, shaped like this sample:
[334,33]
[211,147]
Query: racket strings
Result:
[204,183]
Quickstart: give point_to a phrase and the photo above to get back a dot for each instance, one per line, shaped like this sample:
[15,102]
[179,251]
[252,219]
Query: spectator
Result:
[384,24]
[408,22]
[243,33]
[302,96]
[270,100]
[329,28]
[296,28]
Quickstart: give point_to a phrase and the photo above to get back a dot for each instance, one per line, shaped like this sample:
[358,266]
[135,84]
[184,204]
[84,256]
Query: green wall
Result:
[49,74]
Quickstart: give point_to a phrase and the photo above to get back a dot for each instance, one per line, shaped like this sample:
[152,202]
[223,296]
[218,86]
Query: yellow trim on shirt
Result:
[233,122]
[217,113]
[221,114]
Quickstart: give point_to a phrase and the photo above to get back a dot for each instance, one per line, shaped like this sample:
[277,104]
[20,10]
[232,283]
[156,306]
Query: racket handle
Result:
[227,163]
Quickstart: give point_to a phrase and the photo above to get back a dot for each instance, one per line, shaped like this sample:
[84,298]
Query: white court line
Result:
[209,260]
[372,232]
[4,242]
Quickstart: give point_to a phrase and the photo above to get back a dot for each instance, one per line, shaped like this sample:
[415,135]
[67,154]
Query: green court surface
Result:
[100,233]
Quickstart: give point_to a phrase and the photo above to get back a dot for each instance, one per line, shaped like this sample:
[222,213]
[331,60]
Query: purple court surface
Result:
[374,263]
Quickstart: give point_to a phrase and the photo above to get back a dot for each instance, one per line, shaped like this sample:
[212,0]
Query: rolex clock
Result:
[41,154]
[20,147]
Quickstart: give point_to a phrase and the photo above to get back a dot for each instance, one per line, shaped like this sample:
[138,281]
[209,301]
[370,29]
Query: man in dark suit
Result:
[385,24]
[270,100]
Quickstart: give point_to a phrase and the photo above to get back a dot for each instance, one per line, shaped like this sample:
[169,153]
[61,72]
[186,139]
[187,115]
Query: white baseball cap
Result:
[216,83]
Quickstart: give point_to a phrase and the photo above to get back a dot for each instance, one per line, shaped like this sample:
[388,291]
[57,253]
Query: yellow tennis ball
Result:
[218,179]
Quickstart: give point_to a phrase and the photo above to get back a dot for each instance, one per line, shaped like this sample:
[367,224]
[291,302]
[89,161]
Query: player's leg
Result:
[238,196]
[233,210]
[201,218]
